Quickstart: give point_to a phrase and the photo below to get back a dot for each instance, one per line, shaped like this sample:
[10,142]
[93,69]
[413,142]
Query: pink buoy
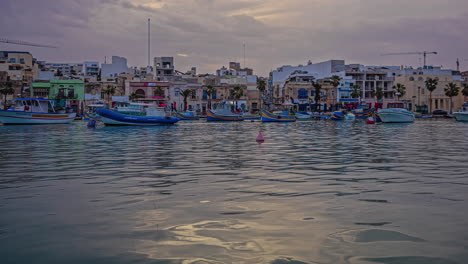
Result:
[260,137]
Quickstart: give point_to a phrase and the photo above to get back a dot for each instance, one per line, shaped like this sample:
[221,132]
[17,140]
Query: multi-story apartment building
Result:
[417,96]
[116,67]
[21,68]
[91,68]
[164,68]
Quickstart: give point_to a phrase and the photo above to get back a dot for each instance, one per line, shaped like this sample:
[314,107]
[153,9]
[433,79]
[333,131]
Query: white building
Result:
[118,66]
[164,68]
[91,68]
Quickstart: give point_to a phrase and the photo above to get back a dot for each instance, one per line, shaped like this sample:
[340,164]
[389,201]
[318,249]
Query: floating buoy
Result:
[370,120]
[92,123]
[260,137]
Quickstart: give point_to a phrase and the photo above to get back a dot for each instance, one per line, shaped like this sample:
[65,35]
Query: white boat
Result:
[29,111]
[396,113]
[462,115]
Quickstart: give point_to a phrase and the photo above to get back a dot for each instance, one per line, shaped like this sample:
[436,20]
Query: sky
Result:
[208,34]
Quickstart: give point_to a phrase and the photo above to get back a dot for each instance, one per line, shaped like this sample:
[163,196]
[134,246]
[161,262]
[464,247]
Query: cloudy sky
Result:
[209,33]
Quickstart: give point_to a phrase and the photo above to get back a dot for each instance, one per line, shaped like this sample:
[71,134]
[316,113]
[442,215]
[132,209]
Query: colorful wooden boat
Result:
[223,113]
[337,116]
[187,115]
[285,116]
[364,114]
[30,111]
[152,117]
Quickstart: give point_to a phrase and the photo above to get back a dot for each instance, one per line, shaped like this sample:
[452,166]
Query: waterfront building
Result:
[116,67]
[21,68]
[67,93]
[417,96]
[65,69]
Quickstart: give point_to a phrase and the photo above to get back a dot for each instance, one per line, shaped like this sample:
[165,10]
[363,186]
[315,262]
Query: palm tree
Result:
[431,85]
[133,96]
[186,93]
[110,90]
[335,80]
[399,90]
[377,93]
[451,90]
[261,86]
[237,92]
[356,91]
[210,90]
[317,91]
[465,89]
[6,90]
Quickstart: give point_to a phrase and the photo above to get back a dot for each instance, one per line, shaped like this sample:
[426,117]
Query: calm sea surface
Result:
[197,192]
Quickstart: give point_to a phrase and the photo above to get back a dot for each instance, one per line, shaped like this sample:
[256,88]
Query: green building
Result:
[67,93]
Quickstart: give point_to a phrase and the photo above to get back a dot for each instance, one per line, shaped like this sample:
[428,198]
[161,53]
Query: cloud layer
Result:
[209,33]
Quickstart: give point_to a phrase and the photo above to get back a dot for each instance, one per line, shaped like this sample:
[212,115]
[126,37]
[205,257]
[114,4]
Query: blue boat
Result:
[337,116]
[187,115]
[364,114]
[152,118]
[285,116]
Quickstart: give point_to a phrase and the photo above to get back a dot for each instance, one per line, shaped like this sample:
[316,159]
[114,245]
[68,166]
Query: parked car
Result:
[439,113]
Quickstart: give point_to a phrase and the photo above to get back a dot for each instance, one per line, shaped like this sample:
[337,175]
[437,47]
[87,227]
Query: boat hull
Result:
[185,117]
[461,116]
[364,114]
[396,116]
[270,117]
[212,116]
[112,118]
[337,116]
[27,118]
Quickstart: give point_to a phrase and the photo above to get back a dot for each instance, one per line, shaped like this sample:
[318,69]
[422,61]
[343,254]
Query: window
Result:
[302,94]
[12,60]
[420,79]
[22,60]
[411,78]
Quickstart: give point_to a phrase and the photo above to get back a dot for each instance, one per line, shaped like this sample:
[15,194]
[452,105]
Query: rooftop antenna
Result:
[149,42]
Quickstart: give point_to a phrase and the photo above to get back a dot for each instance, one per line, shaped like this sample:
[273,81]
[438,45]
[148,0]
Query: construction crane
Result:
[24,43]
[424,53]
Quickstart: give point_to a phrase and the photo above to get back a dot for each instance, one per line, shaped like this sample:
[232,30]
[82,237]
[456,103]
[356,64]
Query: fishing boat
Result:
[462,115]
[364,113]
[146,117]
[251,116]
[303,116]
[223,113]
[91,112]
[396,113]
[187,115]
[284,116]
[29,111]
[337,116]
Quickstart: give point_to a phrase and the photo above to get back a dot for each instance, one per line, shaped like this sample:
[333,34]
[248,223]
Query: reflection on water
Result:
[196,192]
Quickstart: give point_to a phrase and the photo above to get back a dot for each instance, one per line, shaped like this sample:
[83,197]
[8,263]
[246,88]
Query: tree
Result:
[210,90]
[356,91]
[110,90]
[378,93]
[335,80]
[465,89]
[431,85]
[6,90]
[133,96]
[58,73]
[237,92]
[317,90]
[399,90]
[261,86]
[451,90]
[186,93]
